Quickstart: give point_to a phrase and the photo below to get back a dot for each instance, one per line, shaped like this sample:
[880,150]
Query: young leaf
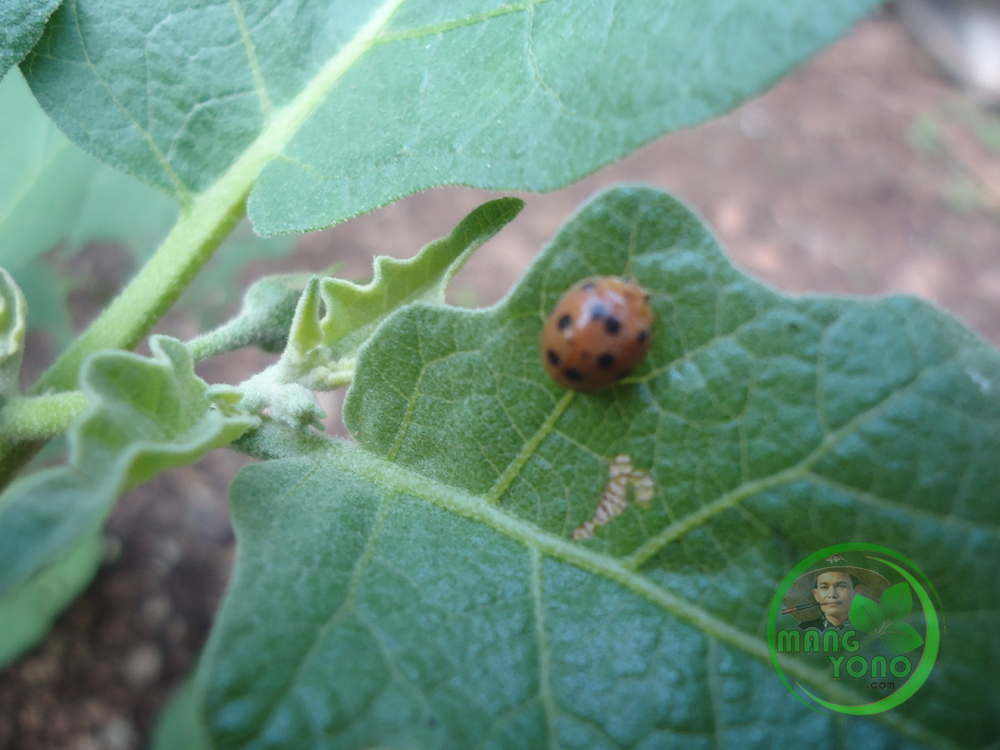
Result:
[353,311]
[13,312]
[896,602]
[333,317]
[21,24]
[901,638]
[866,615]
[422,588]
[339,108]
[145,416]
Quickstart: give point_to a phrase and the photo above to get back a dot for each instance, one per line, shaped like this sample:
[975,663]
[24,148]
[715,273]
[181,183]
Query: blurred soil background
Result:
[864,172]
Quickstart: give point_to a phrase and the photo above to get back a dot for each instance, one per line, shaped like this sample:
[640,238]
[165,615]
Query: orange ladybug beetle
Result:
[599,330]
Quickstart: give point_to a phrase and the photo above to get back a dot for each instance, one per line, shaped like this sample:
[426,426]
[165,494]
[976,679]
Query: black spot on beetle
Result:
[573,375]
[605,361]
[564,322]
[589,286]
[611,325]
[642,337]
[553,358]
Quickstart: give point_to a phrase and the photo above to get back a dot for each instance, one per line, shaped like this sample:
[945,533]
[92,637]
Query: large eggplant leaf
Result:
[21,25]
[339,107]
[145,415]
[422,588]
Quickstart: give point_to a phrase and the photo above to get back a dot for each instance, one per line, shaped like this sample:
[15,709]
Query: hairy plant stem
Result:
[207,219]
[41,417]
[149,295]
[133,313]
[28,423]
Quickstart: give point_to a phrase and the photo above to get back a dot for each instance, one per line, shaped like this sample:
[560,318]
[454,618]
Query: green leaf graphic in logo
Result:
[897,603]
[865,615]
[901,638]
[885,621]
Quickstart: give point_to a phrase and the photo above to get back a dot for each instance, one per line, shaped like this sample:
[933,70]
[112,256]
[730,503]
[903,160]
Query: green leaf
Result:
[319,343]
[896,602]
[422,588]
[901,638]
[340,107]
[21,25]
[27,612]
[865,615]
[13,312]
[334,317]
[181,724]
[145,416]
[52,192]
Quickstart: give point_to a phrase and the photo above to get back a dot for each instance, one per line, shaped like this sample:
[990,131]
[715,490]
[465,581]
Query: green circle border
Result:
[931,647]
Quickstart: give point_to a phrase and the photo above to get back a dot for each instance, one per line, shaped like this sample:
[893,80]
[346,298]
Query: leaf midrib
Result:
[393,479]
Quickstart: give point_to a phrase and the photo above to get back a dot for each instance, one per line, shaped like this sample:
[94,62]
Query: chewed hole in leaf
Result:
[614,499]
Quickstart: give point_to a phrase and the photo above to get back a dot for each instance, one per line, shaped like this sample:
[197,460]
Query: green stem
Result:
[41,417]
[26,424]
[151,292]
[142,303]
[207,219]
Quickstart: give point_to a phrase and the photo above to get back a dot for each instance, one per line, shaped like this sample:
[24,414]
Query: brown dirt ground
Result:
[864,172]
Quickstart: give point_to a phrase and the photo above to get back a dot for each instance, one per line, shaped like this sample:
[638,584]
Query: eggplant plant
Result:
[427,583]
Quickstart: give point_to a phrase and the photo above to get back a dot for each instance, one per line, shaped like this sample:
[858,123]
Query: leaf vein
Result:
[798,471]
[544,664]
[182,191]
[446,26]
[260,84]
[884,503]
[528,449]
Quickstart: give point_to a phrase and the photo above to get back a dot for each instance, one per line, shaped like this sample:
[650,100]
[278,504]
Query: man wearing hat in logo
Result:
[822,597]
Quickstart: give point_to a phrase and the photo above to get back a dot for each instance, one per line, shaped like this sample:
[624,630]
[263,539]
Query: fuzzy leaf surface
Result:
[335,108]
[422,588]
[21,25]
[146,415]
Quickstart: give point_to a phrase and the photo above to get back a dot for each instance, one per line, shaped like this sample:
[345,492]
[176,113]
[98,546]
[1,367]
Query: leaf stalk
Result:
[41,417]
